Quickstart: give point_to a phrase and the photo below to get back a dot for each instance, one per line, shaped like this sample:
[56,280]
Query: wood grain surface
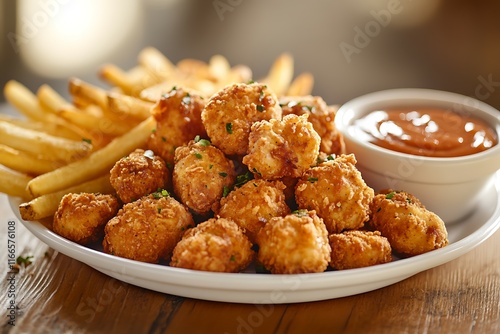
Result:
[56,294]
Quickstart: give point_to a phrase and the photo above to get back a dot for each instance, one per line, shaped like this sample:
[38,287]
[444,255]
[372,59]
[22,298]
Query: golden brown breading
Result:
[253,204]
[296,243]
[178,117]
[230,113]
[357,249]
[214,245]
[148,229]
[201,172]
[282,148]
[322,118]
[81,217]
[338,193]
[138,174]
[407,224]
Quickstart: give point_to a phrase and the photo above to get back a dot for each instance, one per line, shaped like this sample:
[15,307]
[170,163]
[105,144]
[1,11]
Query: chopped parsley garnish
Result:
[256,171]
[260,108]
[226,191]
[390,195]
[149,154]
[223,174]
[153,131]
[198,155]
[87,140]
[242,179]
[250,82]
[229,128]
[159,210]
[160,193]
[163,139]
[312,179]
[232,258]
[25,261]
[201,141]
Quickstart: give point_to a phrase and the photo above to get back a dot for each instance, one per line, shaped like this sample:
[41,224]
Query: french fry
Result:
[26,102]
[42,144]
[127,107]
[219,67]
[156,62]
[86,91]
[50,99]
[46,205]
[280,75]
[13,183]
[97,163]
[53,129]
[301,85]
[131,82]
[26,163]
[93,122]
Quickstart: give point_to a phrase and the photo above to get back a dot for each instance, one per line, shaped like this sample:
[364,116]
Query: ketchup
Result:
[427,132]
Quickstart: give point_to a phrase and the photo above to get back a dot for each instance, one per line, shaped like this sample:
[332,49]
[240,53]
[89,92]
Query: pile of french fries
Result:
[62,146]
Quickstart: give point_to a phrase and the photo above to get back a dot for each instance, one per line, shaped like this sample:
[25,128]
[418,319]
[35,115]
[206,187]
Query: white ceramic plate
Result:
[276,289]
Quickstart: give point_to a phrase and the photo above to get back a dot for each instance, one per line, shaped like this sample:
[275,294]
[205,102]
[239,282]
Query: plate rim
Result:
[133,271]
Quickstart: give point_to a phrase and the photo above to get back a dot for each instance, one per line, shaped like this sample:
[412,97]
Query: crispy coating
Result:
[279,148]
[138,174]
[214,245]
[322,118]
[81,217]
[410,228]
[338,193]
[230,113]
[201,172]
[296,243]
[253,204]
[357,249]
[178,118]
[148,229]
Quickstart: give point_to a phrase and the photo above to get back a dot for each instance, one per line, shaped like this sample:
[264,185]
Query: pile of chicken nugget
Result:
[247,180]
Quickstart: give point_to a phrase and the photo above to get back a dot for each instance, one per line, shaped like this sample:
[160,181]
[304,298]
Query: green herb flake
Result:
[312,179]
[223,174]
[256,171]
[159,210]
[160,193]
[163,139]
[409,200]
[87,140]
[242,179]
[226,191]
[210,166]
[198,155]
[24,261]
[390,195]
[229,128]
[232,258]
[260,108]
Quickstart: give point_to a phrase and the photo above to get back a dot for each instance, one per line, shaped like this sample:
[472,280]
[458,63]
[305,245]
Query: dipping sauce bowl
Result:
[448,184]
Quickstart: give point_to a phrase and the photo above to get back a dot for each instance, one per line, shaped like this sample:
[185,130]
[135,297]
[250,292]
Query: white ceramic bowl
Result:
[449,187]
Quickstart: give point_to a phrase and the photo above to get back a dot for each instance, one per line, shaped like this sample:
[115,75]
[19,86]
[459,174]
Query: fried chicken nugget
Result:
[178,118]
[201,173]
[81,217]
[214,245]
[296,243]
[230,113]
[322,118]
[337,192]
[279,148]
[253,204]
[357,249]
[410,228]
[148,229]
[138,174]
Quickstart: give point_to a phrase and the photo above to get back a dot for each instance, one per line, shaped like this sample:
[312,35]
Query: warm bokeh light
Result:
[61,38]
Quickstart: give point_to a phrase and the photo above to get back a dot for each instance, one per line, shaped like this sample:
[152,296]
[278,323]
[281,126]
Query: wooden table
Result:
[56,294]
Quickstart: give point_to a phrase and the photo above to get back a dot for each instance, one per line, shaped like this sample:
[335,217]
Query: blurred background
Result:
[351,47]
